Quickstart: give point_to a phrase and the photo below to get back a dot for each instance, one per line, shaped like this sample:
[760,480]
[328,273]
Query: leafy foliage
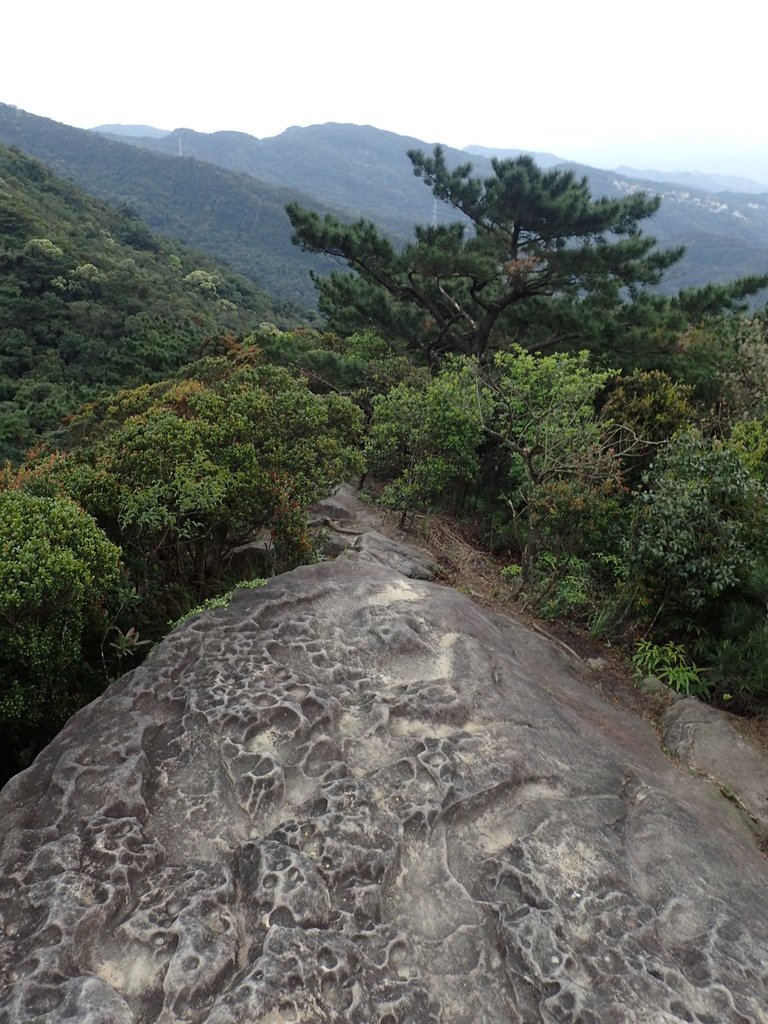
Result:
[669,663]
[725,361]
[700,527]
[56,571]
[178,473]
[749,439]
[737,652]
[553,447]
[544,413]
[649,408]
[220,601]
[360,366]
[182,472]
[427,439]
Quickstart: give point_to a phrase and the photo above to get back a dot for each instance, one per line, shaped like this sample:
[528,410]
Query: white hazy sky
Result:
[660,83]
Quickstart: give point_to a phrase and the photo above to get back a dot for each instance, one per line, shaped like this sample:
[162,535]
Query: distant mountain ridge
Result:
[367,170]
[542,159]
[141,131]
[228,192]
[357,168]
[704,182]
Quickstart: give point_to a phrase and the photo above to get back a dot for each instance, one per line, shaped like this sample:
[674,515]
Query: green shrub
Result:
[182,472]
[700,526]
[669,663]
[427,439]
[560,586]
[360,366]
[649,408]
[571,516]
[737,653]
[554,455]
[726,362]
[749,439]
[56,569]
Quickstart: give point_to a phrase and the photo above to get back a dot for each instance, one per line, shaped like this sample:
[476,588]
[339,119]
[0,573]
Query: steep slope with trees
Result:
[230,216]
[346,166]
[90,299]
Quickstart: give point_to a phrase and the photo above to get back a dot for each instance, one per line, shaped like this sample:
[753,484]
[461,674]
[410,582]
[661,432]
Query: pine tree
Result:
[534,259]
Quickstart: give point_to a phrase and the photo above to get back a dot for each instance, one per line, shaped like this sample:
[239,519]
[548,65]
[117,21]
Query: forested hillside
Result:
[229,216]
[354,170]
[365,170]
[91,299]
[345,166]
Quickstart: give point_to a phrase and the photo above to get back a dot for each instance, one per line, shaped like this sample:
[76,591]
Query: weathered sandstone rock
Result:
[706,740]
[356,797]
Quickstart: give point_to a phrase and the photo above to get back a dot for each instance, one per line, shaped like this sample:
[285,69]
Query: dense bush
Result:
[548,438]
[361,366]
[182,472]
[726,364]
[426,439]
[56,571]
[736,654]
[749,439]
[178,474]
[649,408]
[700,528]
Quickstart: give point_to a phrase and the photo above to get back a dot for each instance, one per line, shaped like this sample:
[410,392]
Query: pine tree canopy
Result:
[534,260]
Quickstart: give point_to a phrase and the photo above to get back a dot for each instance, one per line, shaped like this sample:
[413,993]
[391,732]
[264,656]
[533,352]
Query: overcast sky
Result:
[659,83]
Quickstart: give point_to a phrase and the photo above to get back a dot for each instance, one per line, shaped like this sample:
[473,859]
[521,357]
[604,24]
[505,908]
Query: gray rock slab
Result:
[356,797]
[354,529]
[344,505]
[707,741]
[378,549]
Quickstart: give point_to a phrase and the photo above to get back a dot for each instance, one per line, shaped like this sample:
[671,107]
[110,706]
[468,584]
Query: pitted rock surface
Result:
[707,741]
[356,797]
[352,529]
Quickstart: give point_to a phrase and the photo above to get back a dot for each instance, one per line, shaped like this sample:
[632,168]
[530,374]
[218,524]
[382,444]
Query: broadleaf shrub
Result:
[700,526]
[183,472]
[426,440]
[669,663]
[57,569]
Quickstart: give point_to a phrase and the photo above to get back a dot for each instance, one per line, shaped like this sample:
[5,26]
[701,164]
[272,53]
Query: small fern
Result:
[669,663]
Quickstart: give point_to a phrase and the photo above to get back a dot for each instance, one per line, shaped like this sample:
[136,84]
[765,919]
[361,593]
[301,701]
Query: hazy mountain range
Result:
[705,182]
[225,192]
[698,180]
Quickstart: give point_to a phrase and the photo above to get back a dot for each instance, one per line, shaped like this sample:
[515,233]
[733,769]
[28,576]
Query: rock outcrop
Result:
[354,796]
